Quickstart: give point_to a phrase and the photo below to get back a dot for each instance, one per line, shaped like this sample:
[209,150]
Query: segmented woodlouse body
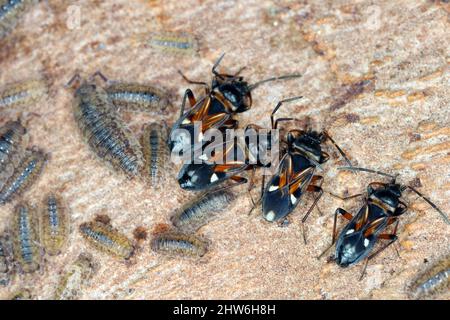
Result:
[4,263]
[174,42]
[22,294]
[23,93]
[156,153]
[25,240]
[198,212]
[137,96]
[107,239]
[54,225]
[105,131]
[11,150]
[10,12]
[78,274]
[24,175]
[172,243]
[433,281]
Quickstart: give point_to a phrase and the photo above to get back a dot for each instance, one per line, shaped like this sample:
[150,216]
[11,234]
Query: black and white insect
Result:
[382,208]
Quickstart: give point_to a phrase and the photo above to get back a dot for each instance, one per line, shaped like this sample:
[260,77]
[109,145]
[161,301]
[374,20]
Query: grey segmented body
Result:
[105,131]
[24,175]
[179,244]
[201,210]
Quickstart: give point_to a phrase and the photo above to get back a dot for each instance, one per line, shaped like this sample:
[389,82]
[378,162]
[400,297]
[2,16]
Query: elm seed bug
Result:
[226,96]
[382,208]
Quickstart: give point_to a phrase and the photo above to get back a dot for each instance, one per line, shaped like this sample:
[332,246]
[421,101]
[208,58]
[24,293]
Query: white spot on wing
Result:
[270,216]
[366,242]
[214,178]
[293,199]
[186,121]
[273,188]
[350,231]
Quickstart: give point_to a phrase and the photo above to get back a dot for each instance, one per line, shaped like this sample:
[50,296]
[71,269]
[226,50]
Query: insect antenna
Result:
[351,168]
[284,77]
[280,103]
[444,216]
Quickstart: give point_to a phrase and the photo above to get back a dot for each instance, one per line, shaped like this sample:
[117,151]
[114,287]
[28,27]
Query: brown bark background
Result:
[375,75]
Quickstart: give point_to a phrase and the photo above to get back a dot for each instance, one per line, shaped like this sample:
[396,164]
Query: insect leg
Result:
[327,135]
[187,95]
[317,189]
[392,237]
[192,81]
[99,74]
[347,215]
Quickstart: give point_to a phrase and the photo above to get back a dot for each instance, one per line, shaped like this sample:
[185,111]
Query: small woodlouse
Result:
[23,93]
[11,150]
[24,175]
[432,282]
[174,42]
[4,263]
[22,294]
[156,153]
[78,275]
[107,239]
[104,131]
[10,12]
[172,243]
[54,225]
[25,239]
[198,212]
[137,97]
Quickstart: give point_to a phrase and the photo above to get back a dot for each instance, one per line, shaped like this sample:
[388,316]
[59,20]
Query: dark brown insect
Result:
[107,239]
[24,175]
[23,92]
[11,11]
[77,276]
[104,130]
[433,281]
[198,212]
[54,225]
[179,244]
[25,239]
[156,153]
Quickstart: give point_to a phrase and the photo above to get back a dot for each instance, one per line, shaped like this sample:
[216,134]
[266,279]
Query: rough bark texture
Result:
[375,75]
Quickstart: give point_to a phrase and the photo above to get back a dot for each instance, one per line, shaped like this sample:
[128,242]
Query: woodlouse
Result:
[174,42]
[25,240]
[10,12]
[433,281]
[156,153]
[23,93]
[11,150]
[107,239]
[137,96]
[24,175]
[78,274]
[198,212]
[54,225]
[4,263]
[173,243]
[104,131]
